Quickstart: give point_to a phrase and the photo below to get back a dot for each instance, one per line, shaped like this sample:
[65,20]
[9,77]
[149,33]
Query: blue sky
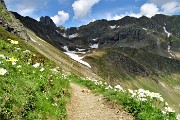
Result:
[74,13]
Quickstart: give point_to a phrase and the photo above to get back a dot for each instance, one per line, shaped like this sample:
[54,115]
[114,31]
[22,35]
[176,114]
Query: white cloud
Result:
[117,17]
[26,7]
[160,2]
[149,9]
[152,7]
[171,7]
[60,18]
[82,8]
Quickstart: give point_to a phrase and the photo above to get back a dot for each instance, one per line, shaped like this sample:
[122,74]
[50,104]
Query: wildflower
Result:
[178,117]
[42,69]
[108,87]
[36,65]
[54,104]
[13,63]
[169,109]
[54,70]
[16,49]
[26,51]
[14,42]
[3,71]
[2,56]
[12,59]
[9,39]
[105,83]
[19,66]
[119,87]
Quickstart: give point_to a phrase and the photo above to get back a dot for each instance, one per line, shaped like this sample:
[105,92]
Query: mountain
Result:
[159,34]
[133,52]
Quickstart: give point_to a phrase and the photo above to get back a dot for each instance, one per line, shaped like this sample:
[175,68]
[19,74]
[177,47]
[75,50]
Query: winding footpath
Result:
[85,105]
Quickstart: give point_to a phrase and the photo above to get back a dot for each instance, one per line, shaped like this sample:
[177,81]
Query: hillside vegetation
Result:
[30,85]
[134,68]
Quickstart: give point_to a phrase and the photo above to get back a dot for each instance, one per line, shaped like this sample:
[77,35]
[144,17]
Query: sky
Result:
[74,13]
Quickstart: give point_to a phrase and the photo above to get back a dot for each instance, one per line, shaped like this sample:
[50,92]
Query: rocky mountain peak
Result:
[47,21]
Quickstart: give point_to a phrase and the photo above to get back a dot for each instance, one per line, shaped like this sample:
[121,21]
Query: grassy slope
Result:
[163,79]
[67,65]
[25,91]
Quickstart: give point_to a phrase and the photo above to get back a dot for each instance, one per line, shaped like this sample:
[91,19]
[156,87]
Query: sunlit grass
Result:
[31,86]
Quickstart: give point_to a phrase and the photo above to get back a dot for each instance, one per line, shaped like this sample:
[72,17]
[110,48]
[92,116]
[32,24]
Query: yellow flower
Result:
[12,59]
[9,39]
[14,42]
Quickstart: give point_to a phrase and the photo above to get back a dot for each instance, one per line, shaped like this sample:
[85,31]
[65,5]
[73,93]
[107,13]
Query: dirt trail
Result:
[85,105]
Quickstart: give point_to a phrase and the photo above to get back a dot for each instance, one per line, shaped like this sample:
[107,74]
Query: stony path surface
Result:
[85,105]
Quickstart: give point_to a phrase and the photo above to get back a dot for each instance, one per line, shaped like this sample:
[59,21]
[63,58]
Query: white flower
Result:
[16,49]
[19,66]
[13,63]
[142,99]
[178,117]
[54,104]
[42,69]
[26,51]
[3,71]
[109,87]
[54,70]
[36,65]
[169,109]
[119,87]
[2,56]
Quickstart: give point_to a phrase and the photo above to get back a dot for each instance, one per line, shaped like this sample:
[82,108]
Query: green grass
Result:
[28,92]
[151,109]
[163,73]
[5,14]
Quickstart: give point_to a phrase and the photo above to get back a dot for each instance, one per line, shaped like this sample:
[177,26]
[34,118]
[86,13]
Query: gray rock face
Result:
[47,21]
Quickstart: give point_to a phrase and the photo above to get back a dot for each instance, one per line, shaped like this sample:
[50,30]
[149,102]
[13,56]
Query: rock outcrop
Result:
[47,21]
[10,23]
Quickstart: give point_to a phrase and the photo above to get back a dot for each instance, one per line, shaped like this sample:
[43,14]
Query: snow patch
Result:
[66,48]
[73,36]
[170,52]
[94,46]
[169,47]
[64,34]
[57,31]
[144,28]
[113,27]
[168,33]
[95,39]
[80,49]
[77,58]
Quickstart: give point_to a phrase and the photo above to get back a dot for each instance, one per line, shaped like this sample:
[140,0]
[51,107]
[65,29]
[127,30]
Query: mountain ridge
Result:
[145,33]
